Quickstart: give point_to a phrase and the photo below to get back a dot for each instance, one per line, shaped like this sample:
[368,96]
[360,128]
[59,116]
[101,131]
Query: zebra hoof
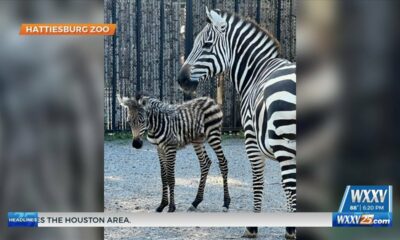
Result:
[290,233]
[162,206]
[171,208]
[192,209]
[249,234]
[290,236]
[225,209]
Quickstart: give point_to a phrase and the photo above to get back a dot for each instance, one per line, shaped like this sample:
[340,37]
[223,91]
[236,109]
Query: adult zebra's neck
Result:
[250,47]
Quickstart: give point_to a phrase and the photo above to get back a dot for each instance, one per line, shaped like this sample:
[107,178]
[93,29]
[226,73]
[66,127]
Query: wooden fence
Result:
[154,36]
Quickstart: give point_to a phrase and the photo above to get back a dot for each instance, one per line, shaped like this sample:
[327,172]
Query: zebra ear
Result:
[143,101]
[125,102]
[207,12]
[216,19]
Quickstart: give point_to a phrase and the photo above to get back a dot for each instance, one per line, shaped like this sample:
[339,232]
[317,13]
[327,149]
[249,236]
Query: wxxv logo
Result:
[365,206]
[358,219]
[368,196]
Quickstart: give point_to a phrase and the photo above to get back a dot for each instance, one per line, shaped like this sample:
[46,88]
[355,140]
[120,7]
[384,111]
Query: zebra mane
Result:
[253,23]
[155,104]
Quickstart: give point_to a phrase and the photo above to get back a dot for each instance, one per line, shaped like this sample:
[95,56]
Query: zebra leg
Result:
[257,161]
[205,163]
[288,171]
[164,200]
[170,169]
[214,140]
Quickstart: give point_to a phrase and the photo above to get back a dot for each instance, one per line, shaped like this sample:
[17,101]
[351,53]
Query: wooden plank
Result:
[115,65]
[162,37]
[220,90]
[138,44]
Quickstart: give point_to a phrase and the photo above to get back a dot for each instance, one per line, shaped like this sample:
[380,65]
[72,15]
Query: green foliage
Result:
[123,135]
[230,135]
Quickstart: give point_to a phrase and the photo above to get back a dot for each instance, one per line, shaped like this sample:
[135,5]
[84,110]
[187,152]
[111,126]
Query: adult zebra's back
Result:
[267,86]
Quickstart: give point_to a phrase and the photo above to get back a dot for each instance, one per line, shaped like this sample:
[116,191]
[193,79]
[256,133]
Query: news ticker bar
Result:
[362,206]
[95,219]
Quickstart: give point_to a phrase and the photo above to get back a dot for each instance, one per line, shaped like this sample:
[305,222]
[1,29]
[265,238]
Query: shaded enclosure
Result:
[153,37]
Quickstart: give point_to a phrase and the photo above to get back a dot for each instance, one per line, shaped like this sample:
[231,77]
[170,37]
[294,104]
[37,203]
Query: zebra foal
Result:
[172,127]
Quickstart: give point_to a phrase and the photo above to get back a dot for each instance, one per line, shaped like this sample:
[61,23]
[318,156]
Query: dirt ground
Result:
[132,184]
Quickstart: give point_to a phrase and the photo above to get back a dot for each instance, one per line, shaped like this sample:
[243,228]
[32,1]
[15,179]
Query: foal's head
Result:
[136,117]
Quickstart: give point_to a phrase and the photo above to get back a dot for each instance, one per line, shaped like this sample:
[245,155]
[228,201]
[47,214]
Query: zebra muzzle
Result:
[184,79]
[137,143]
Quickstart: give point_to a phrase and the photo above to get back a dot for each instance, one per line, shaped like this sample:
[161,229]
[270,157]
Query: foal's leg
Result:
[170,156]
[164,200]
[205,163]
[214,139]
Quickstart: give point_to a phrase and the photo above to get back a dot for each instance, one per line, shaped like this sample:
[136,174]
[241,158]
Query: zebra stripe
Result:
[171,127]
[267,88]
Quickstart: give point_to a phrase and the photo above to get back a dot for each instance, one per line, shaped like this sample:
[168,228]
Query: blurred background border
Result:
[51,111]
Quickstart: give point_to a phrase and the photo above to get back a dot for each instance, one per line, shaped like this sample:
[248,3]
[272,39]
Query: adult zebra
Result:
[267,88]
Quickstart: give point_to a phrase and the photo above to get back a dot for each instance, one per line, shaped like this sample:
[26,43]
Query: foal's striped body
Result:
[171,127]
